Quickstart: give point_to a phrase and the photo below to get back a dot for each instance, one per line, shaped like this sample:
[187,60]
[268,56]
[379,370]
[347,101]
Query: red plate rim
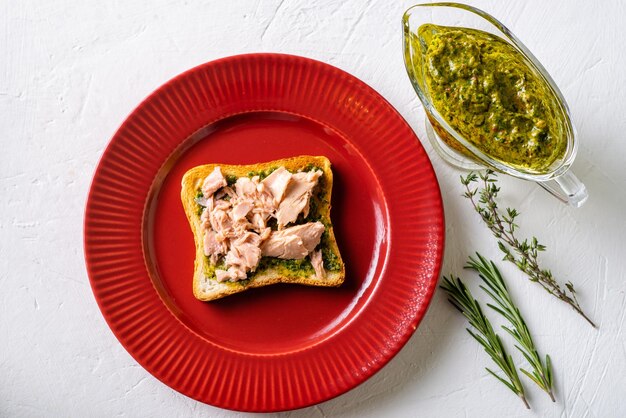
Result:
[169,350]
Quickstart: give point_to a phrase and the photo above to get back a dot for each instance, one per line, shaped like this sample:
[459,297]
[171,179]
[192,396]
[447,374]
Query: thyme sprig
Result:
[521,253]
[496,288]
[460,296]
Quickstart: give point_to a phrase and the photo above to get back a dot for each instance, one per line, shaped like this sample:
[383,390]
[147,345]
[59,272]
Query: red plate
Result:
[283,346]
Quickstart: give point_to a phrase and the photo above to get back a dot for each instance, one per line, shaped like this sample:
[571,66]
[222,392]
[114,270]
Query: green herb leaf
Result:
[521,253]
[461,298]
[497,290]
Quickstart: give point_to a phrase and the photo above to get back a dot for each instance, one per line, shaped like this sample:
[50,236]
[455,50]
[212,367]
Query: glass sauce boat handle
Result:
[567,188]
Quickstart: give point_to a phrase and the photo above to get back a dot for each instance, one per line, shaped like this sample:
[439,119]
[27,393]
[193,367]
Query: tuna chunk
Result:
[221,205]
[212,247]
[233,274]
[213,182]
[297,197]
[220,221]
[318,264]
[204,219]
[258,222]
[277,183]
[238,228]
[265,233]
[294,242]
[248,237]
[244,252]
[245,188]
[241,209]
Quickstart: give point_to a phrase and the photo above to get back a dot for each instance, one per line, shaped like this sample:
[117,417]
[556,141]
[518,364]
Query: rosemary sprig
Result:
[521,253]
[462,299]
[497,290]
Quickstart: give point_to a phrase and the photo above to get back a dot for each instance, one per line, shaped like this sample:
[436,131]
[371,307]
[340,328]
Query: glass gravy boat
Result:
[460,152]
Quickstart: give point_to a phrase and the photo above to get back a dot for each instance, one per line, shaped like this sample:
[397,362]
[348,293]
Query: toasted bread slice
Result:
[270,270]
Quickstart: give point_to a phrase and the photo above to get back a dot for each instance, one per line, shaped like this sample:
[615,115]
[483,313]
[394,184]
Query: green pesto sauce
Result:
[489,93]
[288,268]
[264,173]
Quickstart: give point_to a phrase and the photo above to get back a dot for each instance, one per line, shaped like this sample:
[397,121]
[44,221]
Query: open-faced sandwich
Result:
[255,225]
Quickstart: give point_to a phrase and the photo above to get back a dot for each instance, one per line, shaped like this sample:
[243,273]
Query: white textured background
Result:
[70,72]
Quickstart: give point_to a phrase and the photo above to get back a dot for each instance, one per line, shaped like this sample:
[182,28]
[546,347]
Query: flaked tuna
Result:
[245,252]
[213,182]
[212,247]
[231,275]
[277,183]
[241,210]
[296,199]
[295,242]
[245,188]
[318,264]
[235,221]
[220,220]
